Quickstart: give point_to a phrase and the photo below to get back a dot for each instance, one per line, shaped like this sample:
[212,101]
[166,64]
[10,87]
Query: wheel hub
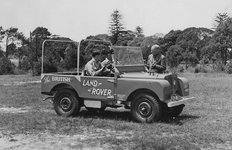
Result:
[144,109]
[65,103]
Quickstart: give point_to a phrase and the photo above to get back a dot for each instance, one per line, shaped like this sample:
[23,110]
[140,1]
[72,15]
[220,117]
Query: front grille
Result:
[173,80]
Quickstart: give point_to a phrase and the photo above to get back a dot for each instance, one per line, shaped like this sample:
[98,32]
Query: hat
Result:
[154,47]
[95,53]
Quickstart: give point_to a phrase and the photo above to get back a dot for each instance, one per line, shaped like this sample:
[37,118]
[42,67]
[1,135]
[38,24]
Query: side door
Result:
[96,87]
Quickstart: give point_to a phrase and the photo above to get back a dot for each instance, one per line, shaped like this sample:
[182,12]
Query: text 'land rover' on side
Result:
[148,95]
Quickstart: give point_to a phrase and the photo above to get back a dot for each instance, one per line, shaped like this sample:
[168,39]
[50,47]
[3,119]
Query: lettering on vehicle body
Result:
[61,79]
[94,90]
[46,79]
[100,92]
[93,83]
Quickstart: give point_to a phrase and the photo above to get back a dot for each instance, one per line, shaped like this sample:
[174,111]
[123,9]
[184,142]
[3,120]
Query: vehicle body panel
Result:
[102,88]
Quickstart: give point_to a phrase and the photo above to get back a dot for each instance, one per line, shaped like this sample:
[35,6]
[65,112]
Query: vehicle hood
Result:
[144,75]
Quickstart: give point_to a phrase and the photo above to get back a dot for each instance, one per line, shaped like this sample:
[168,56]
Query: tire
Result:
[145,108]
[174,111]
[66,103]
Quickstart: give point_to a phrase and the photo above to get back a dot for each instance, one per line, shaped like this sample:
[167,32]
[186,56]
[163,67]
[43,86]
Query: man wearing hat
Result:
[156,61]
[94,67]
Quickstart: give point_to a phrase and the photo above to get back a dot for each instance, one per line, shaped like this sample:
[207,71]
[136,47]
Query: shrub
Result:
[218,66]
[6,67]
[47,67]
[228,67]
[37,68]
[173,56]
[204,69]
[70,60]
[180,69]
[25,64]
[18,71]
[197,69]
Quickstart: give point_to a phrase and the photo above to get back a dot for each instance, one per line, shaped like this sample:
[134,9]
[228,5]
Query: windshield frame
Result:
[127,56]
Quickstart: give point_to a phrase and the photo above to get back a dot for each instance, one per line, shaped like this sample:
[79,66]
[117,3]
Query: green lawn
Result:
[26,121]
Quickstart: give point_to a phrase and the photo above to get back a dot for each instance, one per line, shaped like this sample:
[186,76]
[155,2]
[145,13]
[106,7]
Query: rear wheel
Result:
[66,103]
[145,108]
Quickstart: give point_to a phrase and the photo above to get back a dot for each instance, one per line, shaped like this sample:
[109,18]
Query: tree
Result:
[220,19]
[1,53]
[6,67]
[174,56]
[11,49]
[14,40]
[10,35]
[125,37]
[37,37]
[169,39]
[35,45]
[139,31]
[217,49]
[116,26]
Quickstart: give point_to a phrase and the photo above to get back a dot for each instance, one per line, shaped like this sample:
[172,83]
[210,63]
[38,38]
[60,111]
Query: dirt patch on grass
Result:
[48,141]
[14,110]
[85,140]
[26,109]
[19,83]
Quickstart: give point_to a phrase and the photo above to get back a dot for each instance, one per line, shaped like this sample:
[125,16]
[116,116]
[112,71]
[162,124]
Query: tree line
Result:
[191,46]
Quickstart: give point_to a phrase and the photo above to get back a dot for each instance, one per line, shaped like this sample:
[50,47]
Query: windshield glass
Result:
[125,55]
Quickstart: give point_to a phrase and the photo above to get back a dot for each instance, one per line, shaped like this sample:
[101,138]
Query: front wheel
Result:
[174,111]
[146,108]
[66,103]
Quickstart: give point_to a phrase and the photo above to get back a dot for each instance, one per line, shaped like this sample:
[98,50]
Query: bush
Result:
[47,67]
[180,68]
[37,68]
[18,71]
[25,64]
[228,67]
[6,67]
[70,60]
[173,56]
[197,69]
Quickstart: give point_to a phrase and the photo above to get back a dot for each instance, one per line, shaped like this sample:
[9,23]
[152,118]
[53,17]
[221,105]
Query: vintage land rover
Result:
[148,95]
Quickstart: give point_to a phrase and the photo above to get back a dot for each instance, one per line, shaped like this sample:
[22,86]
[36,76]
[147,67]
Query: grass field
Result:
[28,123]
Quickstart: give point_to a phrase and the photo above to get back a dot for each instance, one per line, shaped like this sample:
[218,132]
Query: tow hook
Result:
[50,98]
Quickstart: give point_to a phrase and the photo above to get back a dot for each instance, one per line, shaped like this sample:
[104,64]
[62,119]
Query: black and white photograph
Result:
[116,75]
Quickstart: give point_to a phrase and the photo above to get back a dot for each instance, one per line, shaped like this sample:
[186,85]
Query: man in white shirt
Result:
[94,67]
[156,61]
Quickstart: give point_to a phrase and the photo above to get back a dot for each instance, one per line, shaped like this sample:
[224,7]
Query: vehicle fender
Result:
[126,87]
[184,86]
[49,84]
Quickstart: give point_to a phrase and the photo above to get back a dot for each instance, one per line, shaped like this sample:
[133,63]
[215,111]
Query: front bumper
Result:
[180,101]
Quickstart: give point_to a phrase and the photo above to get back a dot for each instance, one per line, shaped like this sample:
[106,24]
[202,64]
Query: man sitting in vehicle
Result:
[156,61]
[94,67]
[108,62]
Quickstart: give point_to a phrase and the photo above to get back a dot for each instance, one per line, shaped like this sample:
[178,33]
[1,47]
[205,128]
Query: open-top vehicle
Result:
[148,95]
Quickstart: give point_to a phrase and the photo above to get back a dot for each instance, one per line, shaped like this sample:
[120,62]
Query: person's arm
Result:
[98,72]
[162,66]
[92,72]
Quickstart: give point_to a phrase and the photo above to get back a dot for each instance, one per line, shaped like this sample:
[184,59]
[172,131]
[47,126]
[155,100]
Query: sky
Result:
[78,19]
